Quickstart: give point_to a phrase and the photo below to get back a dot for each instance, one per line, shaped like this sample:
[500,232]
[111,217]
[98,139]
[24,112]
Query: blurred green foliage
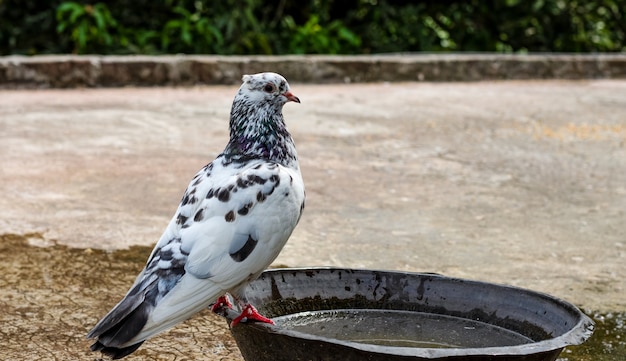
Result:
[87,26]
[310,26]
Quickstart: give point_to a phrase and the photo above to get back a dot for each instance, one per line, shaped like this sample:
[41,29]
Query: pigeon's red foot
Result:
[222,301]
[251,314]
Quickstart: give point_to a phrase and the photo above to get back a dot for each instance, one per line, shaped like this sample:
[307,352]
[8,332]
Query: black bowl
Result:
[347,314]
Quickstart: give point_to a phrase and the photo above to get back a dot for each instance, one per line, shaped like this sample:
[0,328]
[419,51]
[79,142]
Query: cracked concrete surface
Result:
[516,182]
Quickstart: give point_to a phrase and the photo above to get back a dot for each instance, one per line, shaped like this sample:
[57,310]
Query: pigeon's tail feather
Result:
[123,323]
[115,352]
[133,301]
[137,318]
[119,333]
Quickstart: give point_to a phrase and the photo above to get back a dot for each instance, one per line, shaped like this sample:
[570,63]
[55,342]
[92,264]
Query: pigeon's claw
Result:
[222,301]
[250,314]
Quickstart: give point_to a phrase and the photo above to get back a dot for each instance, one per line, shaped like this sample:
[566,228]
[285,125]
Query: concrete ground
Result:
[516,182]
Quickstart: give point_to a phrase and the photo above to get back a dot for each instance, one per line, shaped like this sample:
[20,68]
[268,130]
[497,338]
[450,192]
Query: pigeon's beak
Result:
[290,97]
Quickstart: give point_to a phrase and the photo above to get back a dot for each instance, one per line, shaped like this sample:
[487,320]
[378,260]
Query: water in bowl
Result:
[400,328]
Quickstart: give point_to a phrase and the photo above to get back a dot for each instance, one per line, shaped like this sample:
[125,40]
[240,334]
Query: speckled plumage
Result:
[232,221]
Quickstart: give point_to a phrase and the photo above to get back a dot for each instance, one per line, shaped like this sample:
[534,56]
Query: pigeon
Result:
[233,220]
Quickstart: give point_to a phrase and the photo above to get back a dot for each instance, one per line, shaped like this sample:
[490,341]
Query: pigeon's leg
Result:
[222,301]
[250,313]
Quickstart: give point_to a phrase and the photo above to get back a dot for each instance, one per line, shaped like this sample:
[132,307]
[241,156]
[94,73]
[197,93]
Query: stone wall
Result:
[69,71]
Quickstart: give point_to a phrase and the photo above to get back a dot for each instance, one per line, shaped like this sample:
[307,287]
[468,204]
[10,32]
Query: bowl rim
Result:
[576,335]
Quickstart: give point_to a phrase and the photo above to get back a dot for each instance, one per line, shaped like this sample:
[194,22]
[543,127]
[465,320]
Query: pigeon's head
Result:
[257,126]
[266,88]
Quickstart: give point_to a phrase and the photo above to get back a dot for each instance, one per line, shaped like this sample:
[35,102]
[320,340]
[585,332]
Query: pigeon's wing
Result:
[225,232]
[125,325]
[234,234]
[256,217]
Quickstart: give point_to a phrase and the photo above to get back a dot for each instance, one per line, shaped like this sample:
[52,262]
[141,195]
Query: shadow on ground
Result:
[51,296]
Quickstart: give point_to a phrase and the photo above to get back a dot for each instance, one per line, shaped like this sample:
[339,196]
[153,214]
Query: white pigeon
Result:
[234,218]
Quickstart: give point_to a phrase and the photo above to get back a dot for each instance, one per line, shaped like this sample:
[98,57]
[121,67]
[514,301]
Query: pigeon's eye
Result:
[269,88]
